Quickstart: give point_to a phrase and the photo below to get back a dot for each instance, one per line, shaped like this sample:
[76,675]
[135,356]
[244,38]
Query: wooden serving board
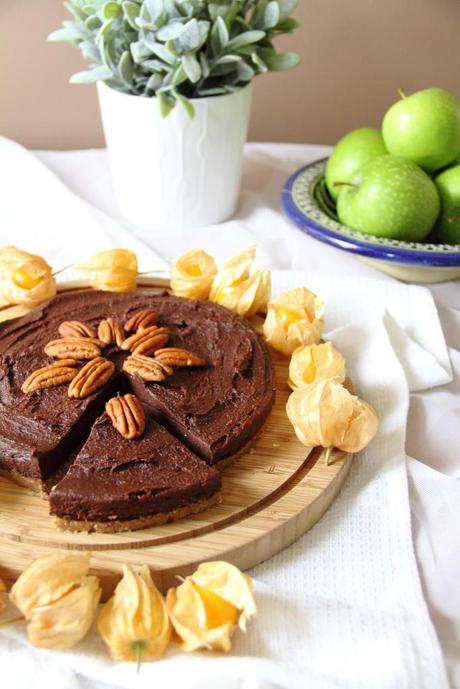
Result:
[272,494]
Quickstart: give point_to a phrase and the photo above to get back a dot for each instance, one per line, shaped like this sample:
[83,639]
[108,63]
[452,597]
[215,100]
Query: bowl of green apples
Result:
[390,196]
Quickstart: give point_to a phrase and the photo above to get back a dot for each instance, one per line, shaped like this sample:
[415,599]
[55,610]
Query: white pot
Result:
[173,172]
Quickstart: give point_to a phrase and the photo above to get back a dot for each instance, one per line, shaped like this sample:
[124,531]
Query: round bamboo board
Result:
[272,494]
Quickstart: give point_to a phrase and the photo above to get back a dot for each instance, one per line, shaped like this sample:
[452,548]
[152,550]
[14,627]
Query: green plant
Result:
[178,49]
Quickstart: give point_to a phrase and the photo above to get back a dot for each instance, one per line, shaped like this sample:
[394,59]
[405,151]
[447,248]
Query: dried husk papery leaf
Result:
[236,289]
[24,278]
[57,598]
[47,579]
[208,606]
[114,270]
[134,623]
[2,591]
[294,319]
[65,622]
[326,414]
[192,274]
[316,362]
[362,427]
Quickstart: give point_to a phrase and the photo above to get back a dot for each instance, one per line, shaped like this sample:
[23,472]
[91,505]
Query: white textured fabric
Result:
[343,607]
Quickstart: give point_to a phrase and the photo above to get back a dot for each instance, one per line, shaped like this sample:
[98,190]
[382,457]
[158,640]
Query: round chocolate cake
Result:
[204,380]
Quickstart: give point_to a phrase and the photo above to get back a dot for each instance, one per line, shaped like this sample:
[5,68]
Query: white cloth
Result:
[343,607]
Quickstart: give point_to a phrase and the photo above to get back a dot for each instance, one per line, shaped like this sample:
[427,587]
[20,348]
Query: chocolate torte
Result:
[115,485]
[210,410]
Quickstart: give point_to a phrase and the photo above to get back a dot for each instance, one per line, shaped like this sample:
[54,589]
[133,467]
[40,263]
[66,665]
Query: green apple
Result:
[424,128]
[350,153]
[390,197]
[448,184]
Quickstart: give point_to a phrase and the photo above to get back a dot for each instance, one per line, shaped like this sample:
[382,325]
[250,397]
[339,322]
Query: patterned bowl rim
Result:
[302,208]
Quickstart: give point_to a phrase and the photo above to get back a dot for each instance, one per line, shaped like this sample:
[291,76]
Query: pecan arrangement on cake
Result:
[121,403]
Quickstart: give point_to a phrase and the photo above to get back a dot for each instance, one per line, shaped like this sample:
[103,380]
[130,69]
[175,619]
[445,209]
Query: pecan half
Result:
[91,377]
[141,319]
[175,356]
[147,368]
[74,348]
[76,329]
[111,332]
[127,416]
[146,341]
[49,376]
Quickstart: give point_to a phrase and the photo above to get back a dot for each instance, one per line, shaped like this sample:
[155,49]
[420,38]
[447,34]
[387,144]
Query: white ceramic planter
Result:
[173,172]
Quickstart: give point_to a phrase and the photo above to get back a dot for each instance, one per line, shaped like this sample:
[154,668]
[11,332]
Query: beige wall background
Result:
[355,55]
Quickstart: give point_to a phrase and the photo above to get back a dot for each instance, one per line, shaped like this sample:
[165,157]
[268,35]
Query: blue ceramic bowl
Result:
[308,204]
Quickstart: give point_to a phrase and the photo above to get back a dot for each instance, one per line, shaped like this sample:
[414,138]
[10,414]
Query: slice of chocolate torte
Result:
[116,484]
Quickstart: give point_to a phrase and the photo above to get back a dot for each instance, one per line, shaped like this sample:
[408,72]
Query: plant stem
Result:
[327,456]
[402,93]
[138,648]
[345,184]
[157,272]
[61,270]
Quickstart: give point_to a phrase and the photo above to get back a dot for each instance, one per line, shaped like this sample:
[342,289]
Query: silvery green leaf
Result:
[61,36]
[126,69]
[147,37]
[287,7]
[154,82]
[271,15]
[78,30]
[178,76]
[191,67]
[111,10]
[171,47]
[216,10]
[170,8]
[170,31]
[245,38]
[257,19]
[166,104]
[204,63]
[93,23]
[163,53]
[155,8]
[232,13]
[287,25]
[131,12]
[219,36]
[244,71]
[140,51]
[75,10]
[280,62]
[92,75]
[145,19]
[107,51]
[90,51]
[216,91]
[223,70]
[257,60]
[190,37]
[204,27]
[154,65]
[228,59]
[186,104]
[105,29]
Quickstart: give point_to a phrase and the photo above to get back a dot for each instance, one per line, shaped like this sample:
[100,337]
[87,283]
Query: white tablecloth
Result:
[433,430]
